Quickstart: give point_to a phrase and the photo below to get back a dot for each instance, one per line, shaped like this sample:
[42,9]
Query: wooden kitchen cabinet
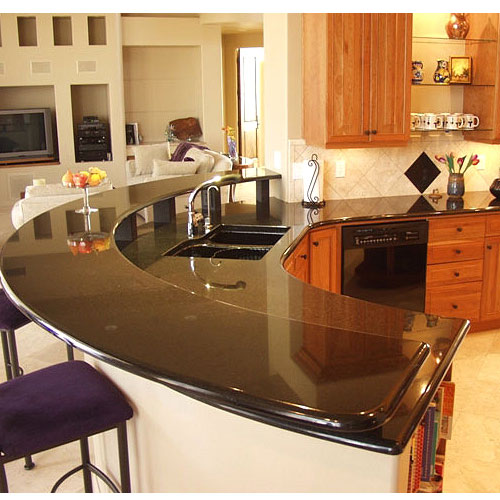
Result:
[297,264]
[490,297]
[356,79]
[454,278]
[324,265]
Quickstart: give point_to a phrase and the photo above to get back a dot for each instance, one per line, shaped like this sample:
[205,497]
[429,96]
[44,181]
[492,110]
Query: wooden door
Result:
[324,266]
[490,296]
[348,83]
[390,77]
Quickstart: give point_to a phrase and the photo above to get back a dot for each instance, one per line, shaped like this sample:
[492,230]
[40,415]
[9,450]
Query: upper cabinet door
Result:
[356,79]
[349,78]
[390,77]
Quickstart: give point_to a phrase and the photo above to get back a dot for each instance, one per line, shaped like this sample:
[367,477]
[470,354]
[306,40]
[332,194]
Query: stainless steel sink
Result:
[231,242]
[246,235]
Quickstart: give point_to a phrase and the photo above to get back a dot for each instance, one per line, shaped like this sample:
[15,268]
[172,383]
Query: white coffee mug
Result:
[454,121]
[416,121]
[470,121]
[432,121]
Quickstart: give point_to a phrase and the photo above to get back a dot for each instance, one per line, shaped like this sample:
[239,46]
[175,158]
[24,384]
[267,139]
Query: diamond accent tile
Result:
[422,172]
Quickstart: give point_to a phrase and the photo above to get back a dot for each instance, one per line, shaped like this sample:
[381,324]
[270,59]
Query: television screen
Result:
[25,133]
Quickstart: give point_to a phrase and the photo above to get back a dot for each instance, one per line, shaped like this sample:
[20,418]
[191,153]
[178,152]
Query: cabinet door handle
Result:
[316,243]
[374,132]
[458,251]
[367,132]
[489,247]
[459,229]
[303,256]
[457,274]
[454,306]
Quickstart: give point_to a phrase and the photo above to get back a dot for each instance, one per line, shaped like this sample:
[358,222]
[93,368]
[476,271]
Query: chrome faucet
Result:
[193,217]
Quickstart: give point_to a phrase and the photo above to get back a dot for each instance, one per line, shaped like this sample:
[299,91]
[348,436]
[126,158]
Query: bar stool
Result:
[10,320]
[57,405]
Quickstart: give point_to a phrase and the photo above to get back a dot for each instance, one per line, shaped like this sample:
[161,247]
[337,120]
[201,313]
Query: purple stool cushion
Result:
[10,316]
[55,405]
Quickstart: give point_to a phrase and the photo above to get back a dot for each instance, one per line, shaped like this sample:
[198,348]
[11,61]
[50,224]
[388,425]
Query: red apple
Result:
[85,246]
[80,180]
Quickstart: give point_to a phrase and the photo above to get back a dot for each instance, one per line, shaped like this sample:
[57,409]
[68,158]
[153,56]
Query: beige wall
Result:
[161,84]
[188,77]
[62,65]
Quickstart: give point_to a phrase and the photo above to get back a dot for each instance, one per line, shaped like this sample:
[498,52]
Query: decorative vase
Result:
[457,26]
[495,188]
[442,73]
[456,186]
[417,68]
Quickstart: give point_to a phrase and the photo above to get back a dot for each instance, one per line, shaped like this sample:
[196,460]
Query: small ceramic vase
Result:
[456,186]
[495,188]
[442,73]
[457,26]
[417,72]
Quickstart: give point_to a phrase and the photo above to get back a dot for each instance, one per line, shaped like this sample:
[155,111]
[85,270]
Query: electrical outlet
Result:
[297,171]
[340,168]
[482,162]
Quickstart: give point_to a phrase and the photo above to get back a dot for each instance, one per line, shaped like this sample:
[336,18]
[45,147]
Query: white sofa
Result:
[39,199]
[151,164]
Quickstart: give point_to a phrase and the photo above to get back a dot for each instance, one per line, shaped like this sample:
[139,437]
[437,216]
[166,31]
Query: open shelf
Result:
[26,31]
[62,29]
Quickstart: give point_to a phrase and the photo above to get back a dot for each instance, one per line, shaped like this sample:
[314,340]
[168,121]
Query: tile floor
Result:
[472,455]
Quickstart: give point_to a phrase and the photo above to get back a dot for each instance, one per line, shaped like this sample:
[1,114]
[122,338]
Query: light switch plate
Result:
[340,168]
[297,171]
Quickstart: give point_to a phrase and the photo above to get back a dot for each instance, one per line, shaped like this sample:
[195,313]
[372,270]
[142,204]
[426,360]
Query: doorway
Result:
[250,64]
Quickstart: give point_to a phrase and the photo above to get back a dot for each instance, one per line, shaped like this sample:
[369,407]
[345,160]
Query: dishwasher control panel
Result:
[384,235]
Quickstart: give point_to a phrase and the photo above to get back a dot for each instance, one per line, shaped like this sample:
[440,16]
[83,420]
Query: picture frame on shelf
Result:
[132,133]
[461,69]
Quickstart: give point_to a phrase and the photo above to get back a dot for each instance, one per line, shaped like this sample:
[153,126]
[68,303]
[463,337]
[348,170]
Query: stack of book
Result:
[426,455]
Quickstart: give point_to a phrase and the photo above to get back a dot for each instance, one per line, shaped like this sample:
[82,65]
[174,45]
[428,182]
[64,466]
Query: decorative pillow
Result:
[205,161]
[182,148]
[165,167]
[144,156]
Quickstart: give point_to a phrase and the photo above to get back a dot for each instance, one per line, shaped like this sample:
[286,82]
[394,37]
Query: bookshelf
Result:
[428,445]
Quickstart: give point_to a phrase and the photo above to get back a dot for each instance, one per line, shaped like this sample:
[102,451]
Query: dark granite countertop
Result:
[276,349]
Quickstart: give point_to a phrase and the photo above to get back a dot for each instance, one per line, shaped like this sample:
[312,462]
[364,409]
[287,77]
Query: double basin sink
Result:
[228,241]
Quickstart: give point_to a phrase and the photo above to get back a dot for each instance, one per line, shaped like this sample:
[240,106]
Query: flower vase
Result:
[442,73]
[456,186]
[457,27]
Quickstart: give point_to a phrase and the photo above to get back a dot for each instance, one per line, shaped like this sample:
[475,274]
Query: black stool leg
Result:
[3,480]
[123,453]
[84,450]
[17,372]
[14,360]
[6,355]
[69,351]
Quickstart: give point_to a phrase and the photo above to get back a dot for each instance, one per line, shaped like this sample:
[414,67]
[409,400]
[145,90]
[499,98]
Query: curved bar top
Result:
[273,348]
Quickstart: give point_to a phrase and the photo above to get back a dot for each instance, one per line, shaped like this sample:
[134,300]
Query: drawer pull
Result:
[458,251]
[374,132]
[303,256]
[315,243]
[454,306]
[456,273]
[459,229]
[489,247]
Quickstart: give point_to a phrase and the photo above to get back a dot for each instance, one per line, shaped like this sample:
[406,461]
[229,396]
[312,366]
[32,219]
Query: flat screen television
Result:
[25,133]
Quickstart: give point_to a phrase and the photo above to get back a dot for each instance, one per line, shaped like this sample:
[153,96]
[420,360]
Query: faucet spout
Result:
[215,181]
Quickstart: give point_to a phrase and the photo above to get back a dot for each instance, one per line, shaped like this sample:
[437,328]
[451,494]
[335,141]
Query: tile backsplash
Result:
[374,172]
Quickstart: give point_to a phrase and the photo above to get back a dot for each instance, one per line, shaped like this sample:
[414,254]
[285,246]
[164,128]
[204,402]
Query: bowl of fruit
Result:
[85,179]
[92,177]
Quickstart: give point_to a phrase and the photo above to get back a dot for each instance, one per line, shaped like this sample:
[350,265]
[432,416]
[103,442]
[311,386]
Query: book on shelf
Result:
[427,452]
[447,409]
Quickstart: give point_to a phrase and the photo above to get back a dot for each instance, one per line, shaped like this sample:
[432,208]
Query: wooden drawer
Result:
[454,252]
[492,225]
[451,272]
[457,228]
[456,301]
